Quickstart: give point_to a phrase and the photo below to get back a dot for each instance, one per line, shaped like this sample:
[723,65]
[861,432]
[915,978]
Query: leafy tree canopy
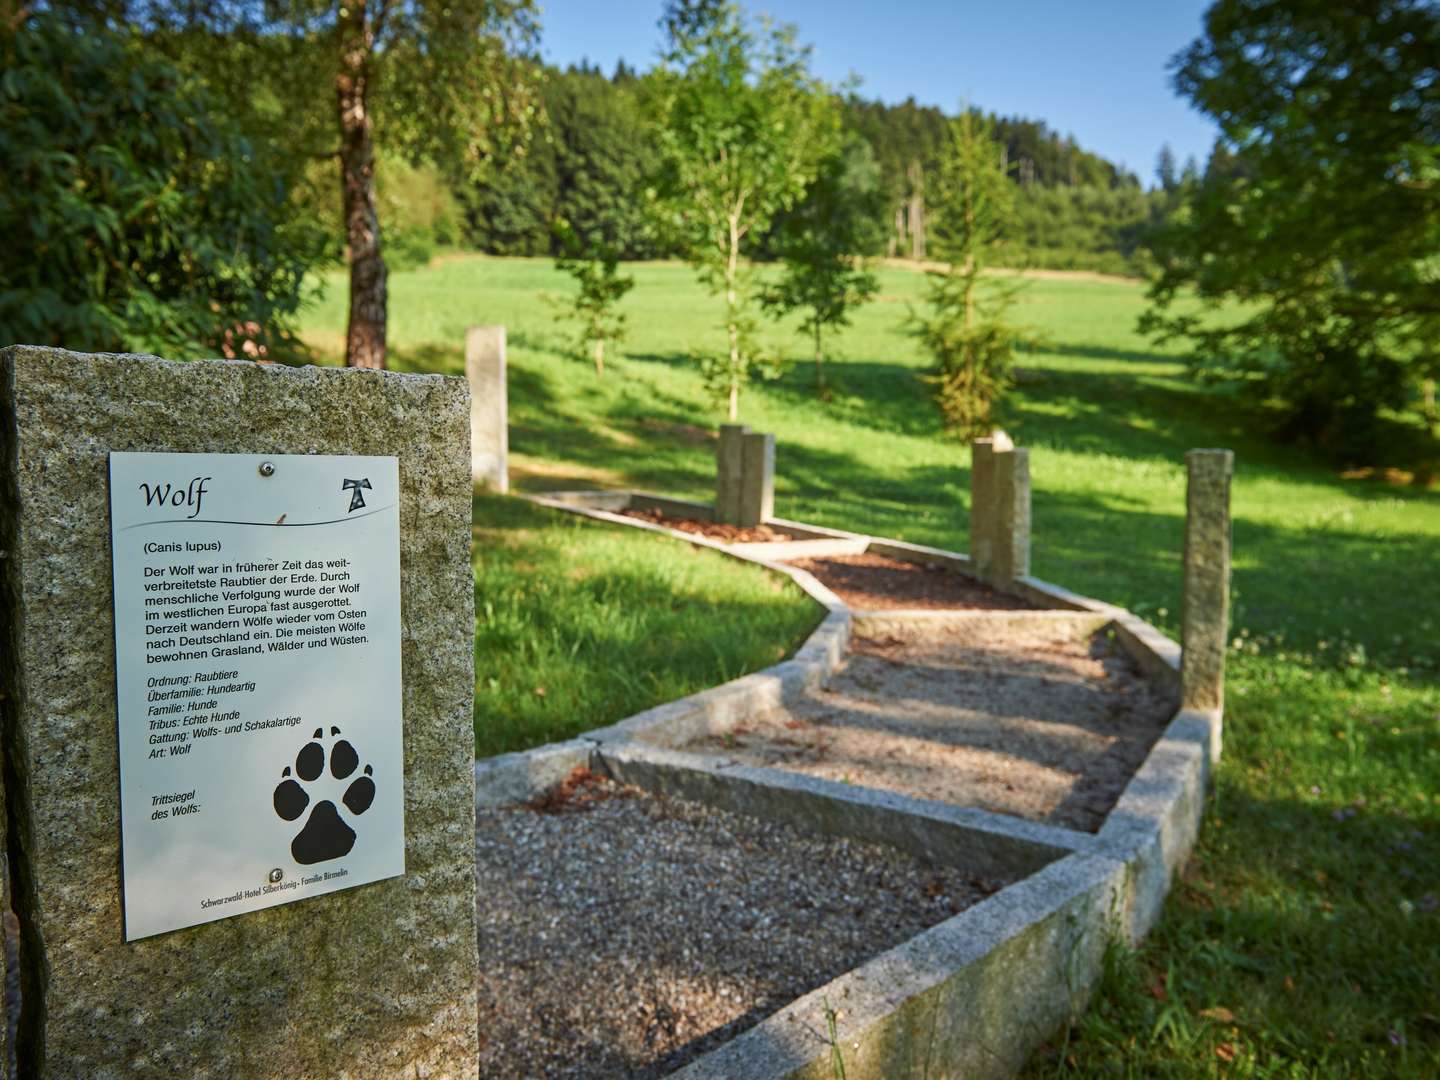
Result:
[137,219]
[440,81]
[1322,215]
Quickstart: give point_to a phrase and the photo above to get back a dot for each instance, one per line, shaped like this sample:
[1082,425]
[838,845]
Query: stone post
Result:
[1205,604]
[1011,553]
[982,500]
[982,505]
[489,409]
[729,469]
[375,980]
[757,484]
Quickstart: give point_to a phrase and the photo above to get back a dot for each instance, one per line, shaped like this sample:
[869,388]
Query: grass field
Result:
[1305,937]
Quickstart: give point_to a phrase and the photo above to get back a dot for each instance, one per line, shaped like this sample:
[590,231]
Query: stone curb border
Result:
[977,993]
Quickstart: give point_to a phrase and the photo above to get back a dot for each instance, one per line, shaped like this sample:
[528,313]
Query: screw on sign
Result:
[357,500]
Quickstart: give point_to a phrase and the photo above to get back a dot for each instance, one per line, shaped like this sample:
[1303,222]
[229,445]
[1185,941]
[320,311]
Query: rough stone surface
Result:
[757,479]
[507,779]
[489,407]
[1206,600]
[373,981]
[729,467]
[970,997]
[1010,558]
[1156,822]
[982,505]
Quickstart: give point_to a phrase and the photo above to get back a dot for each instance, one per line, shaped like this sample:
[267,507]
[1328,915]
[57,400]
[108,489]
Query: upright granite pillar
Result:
[1205,605]
[757,483]
[489,410]
[982,505]
[729,470]
[374,980]
[982,500]
[1010,557]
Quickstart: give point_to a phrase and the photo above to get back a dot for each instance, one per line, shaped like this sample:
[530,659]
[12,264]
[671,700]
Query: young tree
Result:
[742,125]
[437,78]
[823,241]
[966,330]
[1319,212]
[595,268]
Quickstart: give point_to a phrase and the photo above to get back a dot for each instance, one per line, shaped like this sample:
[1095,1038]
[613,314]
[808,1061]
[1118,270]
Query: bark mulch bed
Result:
[624,934]
[729,534]
[1049,730]
[873,582]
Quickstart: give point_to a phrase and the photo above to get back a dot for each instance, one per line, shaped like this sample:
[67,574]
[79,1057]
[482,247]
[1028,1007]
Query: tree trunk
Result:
[365,335]
[917,212]
[599,358]
[732,324]
[819,365]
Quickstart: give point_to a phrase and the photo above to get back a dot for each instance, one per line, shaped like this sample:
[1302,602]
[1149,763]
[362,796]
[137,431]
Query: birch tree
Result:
[742,126]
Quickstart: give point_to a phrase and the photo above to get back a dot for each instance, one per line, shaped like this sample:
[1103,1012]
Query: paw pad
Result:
[325,835]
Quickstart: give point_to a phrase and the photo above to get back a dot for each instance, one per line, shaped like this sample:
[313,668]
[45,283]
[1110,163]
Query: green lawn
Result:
[579,624]
[1305,939]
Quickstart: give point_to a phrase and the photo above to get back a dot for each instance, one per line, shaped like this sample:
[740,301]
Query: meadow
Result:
[1304,938]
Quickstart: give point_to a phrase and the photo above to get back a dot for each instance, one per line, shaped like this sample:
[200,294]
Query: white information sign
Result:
[257,649]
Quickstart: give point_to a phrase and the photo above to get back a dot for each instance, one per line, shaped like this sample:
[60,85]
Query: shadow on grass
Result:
[1050,347]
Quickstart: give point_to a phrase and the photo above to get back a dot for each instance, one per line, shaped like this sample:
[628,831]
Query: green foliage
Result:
[587,165]
[1325,219]
[973,361]
[136,219]
[420,210]
[1083,228]
[910,142]
[742,127]
[822,242]
[438,82]
[965,329]
[605,152]
[601,287]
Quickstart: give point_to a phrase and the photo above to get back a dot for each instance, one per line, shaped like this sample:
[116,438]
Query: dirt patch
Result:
[1049,730]
[871,582]
[729,534]
[623,934]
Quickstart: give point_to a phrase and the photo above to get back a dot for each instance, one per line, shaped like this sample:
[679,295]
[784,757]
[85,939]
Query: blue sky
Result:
[1092,68]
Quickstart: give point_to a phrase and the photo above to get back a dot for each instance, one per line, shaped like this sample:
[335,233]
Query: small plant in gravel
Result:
[837,1057]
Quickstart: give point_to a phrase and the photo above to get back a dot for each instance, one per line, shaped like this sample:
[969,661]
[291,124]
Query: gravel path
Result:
[1049,730]
[622,934]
